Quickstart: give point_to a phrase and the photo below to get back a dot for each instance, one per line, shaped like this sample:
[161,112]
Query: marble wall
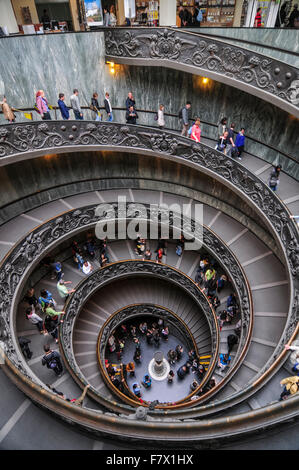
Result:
[58,63]
[283,38]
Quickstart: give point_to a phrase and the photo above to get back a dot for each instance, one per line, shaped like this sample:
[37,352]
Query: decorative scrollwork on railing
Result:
[36,243]
[116,270]
[236,63]
[17,140]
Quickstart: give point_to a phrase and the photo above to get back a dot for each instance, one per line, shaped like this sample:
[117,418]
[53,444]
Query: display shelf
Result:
[215,12]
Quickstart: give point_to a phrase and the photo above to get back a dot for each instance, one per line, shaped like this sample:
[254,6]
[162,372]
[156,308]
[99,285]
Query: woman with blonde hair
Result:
[7,111]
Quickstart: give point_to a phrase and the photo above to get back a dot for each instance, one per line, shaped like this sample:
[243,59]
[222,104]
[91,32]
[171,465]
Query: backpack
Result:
[199,16]
[273,180]
[156,117]
[36,108]
[52,364]
[180,115]
[234,152]
[178,250]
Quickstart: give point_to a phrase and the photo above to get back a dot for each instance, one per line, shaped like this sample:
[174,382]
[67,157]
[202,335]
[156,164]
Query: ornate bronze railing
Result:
[31,140]
[262,76]
[36,138]
[40,240]
[113,272]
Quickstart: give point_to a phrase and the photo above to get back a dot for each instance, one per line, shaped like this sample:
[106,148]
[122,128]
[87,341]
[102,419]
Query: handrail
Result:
[126,268]
[257,74]
[172,115]
[245,41]
[199,156]
[221,252]
[213,244]
[170,432]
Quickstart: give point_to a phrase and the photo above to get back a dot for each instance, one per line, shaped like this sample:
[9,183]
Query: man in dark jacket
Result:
[293,16]
[63,108]
[184,116]
[130,101]
[108,107]
[182,371]
[131,115]
[24,343]
[52,360]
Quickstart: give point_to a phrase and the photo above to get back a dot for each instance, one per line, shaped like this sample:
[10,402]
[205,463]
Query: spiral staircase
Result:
[55,175]
[257,251]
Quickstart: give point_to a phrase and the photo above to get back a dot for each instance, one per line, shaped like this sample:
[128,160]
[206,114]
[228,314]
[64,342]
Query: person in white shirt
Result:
[87,268]
[35,320]
[161,120]
[108,107]
[295,355]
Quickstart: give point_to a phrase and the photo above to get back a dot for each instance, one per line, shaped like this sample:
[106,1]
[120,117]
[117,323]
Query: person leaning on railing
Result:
[94,106]
[63,107]
[7,110]
[42,106]
[290,387]
[75,104]
[74,401]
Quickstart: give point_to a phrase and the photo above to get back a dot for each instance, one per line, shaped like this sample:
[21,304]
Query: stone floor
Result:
[160,390]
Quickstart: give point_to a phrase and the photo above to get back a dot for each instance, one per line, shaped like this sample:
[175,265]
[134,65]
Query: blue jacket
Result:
[240,139]
[64,109]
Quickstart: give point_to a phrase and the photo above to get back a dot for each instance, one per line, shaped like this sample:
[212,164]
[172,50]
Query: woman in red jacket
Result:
[196,131]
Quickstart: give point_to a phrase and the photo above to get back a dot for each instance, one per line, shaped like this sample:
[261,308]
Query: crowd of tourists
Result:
[43,312]
[150,333]
[230,142]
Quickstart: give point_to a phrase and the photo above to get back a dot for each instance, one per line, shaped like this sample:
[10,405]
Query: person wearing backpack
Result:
[184,118]
[196,17]
[52,360]
[274,177]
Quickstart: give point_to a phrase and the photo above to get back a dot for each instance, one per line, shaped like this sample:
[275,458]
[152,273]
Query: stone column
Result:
[7,17]
[159,366]
[120,10]
[167,13]
[238,13]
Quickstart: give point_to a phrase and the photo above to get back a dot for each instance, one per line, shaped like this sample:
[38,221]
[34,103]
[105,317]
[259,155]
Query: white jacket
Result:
[161,121]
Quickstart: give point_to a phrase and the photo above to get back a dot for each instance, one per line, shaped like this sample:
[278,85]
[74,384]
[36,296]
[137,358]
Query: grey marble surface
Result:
[59,63]
[282,38]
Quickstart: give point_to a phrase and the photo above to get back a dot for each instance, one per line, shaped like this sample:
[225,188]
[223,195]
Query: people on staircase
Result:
[52,360]
[63,291]
[35,320]
[274,177]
